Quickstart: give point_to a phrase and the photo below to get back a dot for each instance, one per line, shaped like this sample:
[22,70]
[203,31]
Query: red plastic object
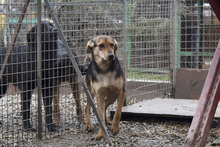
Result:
[207,105]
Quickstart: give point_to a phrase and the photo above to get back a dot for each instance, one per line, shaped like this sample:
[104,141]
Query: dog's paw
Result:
[107,121]
[89,127]
[99,136]
[51,128]
[28,127]
[115,129]
[57,124]
[80,120]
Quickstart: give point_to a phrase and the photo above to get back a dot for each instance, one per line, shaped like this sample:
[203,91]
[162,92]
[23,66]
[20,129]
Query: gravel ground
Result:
[150,132]
[134,131]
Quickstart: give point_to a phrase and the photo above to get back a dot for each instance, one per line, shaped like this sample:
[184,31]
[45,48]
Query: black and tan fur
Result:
[67,73]
[105,79]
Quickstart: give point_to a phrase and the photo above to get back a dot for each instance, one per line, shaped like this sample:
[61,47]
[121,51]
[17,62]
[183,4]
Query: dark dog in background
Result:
[67,73]
[21,71]
[105,79]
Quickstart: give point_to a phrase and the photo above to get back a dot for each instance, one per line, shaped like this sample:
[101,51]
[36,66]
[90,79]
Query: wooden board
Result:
[164,107]
[189,83]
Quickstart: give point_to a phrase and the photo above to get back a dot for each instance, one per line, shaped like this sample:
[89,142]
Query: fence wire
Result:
[151,46]
[199,35]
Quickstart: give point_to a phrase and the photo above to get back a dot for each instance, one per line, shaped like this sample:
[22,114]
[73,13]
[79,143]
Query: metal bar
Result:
[199,28]
[128,21]
[199,53]
[39,78]
[124,44]
[24,21]
[14,37]
[177,25]
[207,105]
[175,55]
[78,72]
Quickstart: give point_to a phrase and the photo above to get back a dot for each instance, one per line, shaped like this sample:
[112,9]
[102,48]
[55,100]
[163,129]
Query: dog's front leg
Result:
[111,98]
[25,104]
[25,97]
[88,113]
[117,116]
[56,102]
[101,109]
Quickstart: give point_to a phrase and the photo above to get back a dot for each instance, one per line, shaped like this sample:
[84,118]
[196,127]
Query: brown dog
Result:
[105,79]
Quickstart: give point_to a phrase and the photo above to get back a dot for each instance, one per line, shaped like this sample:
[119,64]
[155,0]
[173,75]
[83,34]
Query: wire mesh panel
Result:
[80,22]
[149,48]
[147,37]
[63,98]
[19,77]
[199,35]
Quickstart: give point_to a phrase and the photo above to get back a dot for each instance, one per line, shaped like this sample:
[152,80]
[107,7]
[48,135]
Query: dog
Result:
[67,73]
[106,80]
[21,71]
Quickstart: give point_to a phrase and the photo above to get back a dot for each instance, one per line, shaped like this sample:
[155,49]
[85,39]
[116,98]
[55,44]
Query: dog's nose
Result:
[110,56]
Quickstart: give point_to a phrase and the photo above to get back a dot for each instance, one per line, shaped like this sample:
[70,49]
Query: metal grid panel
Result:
[80,22]
[148,60]
[199,35]
[12,133]
[149,48]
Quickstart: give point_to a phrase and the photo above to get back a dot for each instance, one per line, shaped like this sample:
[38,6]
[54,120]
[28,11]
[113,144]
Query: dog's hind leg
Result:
[3,90]
[56,101]
[47,98]
[76,93]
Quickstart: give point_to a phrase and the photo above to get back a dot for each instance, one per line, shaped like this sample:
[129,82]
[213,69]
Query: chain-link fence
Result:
[155,37]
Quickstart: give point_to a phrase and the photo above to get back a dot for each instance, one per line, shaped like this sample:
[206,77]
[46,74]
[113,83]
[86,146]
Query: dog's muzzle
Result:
[111,56]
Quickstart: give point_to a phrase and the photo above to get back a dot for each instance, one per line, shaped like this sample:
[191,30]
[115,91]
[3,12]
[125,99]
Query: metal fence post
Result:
[39,78]
[124,44]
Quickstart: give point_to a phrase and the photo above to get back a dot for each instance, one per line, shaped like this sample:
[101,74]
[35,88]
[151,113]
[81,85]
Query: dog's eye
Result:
[101,45]
[112,45]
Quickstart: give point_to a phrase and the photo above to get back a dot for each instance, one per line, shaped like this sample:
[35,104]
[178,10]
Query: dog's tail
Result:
[83,69]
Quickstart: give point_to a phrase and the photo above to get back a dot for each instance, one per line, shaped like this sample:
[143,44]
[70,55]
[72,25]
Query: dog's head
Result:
[48,33]
[103,48]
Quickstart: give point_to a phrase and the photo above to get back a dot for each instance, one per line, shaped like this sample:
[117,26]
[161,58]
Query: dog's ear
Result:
[115,45]
[89,47]
[32,35]
[28,37]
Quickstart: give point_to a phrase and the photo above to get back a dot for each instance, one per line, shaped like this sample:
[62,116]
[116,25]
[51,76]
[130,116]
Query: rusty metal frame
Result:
[207,105]
[210,96]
